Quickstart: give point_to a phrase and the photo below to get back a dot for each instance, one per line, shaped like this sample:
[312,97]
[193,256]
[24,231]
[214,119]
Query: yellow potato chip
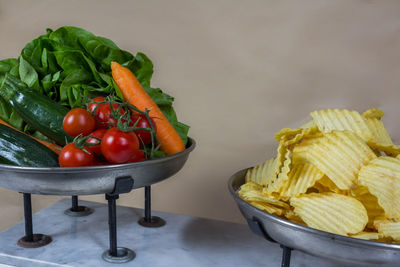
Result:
[330,120]
[276,184]
[292,216]
[374,113]
[382,177]
[308,124]
[326,185]
[331,212]
[267,207]
[293,136]
[338,154]
[368,235]
[381,140]
[301,177]
[257,196]
[263,173]
[370,202]
[388,228]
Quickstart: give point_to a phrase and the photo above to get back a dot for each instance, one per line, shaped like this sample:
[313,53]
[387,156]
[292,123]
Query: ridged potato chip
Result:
[301,177]
[388,228]
[382,177]
[368,235]
[370,202]
[381,140]
[325,184]
[374,113]
[331,212]
[336,119]
[267,207]
[340,155]
[255,195]
[263,173]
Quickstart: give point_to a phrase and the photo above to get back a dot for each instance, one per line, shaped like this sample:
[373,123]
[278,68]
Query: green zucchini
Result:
[39,111]
[19,149]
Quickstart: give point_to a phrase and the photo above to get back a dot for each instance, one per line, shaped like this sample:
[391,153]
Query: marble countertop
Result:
[183,241]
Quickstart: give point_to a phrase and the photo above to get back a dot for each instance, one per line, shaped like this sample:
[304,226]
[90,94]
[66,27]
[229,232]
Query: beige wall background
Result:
[239,70]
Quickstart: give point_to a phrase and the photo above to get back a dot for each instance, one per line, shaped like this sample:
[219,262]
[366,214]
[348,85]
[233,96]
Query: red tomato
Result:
[71,156]
[118,146]
[93,106]
[103,116]
[96,150]
[139,156]
[145,136]
[78,121]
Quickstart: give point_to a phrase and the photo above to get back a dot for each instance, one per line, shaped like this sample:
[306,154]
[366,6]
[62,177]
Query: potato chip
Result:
[338,154]
[330,120]
[293,136]
[373,113]
[267,207]
[368,235]
[388,228]
[292,216]
[308,124]
[258,196]
[331,212]
[301,177]
[263,173]
[381,140]
[370,202]
[326,185]
[382,177]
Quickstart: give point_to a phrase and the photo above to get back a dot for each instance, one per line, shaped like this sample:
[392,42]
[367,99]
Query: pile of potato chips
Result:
[338,173]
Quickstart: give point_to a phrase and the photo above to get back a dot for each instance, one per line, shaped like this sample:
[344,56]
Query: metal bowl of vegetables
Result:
[93,179]
[312,241]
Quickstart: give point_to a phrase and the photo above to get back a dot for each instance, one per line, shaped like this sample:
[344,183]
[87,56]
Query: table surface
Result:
[183,241]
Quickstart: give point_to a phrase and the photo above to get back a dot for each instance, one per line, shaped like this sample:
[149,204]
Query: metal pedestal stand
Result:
[148,220]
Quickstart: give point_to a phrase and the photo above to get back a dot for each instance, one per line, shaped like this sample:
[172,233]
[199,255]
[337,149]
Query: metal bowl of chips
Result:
[93,179]
[311,241]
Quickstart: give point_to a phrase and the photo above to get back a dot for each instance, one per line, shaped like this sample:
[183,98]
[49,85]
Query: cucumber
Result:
[37,110]
[21,150]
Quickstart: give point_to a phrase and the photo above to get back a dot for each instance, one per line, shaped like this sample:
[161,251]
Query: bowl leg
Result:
[76,210]
[148,220]
[31,240]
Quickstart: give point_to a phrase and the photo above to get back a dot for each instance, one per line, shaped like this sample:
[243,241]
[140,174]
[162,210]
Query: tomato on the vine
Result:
[103,113]
[72,156]
[141,121]
[118,146]
[78,121]
[96,149]
[92,106]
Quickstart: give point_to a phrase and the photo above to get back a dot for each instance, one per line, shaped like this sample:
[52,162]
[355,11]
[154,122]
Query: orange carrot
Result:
[53,147]
[134,94]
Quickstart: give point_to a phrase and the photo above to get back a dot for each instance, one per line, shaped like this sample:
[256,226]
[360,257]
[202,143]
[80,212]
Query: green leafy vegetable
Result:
[71,64]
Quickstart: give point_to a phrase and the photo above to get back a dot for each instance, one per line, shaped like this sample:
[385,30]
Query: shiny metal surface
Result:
[90,180]
[312,241]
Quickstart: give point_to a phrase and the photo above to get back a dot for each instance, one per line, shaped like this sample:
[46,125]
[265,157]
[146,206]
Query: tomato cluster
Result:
[106,132]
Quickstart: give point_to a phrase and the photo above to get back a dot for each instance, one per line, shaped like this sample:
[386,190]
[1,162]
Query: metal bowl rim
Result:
[289,224]
[65,170]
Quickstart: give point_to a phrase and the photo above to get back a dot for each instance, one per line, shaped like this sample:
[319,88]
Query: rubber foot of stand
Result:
[80,212]
[123,255]
[154,223]
[39,240]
